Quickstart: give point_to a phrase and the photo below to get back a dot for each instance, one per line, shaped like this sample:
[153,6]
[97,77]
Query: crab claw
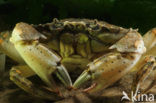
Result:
[63,75]
[38,57]
[107,69]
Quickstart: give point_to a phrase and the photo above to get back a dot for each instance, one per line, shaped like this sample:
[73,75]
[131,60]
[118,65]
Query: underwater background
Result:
[126,13]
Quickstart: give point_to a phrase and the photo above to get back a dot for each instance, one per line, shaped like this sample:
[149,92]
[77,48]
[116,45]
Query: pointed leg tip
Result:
[63,75]
[84,77]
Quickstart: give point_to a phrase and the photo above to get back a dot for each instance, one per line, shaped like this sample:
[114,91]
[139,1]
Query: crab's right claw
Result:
[42,60]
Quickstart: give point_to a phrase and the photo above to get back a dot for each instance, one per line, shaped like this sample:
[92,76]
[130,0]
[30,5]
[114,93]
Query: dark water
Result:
[127,13]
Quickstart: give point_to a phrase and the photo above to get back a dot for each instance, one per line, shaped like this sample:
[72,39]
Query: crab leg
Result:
[42,60]
[109,68]
[8,48]
[19,75]
[143,73]
[149,62]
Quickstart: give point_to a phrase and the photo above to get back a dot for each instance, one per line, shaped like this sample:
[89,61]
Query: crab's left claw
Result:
[38,57]
[106,70]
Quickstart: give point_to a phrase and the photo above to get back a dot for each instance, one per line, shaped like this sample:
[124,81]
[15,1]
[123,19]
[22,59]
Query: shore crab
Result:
[77,54]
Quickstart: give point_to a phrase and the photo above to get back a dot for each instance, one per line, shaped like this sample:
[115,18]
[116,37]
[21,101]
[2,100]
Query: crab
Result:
[77,54]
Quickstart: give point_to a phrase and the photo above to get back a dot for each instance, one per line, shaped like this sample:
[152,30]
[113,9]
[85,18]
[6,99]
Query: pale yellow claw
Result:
[42,60]
[110,67]
[106,70]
